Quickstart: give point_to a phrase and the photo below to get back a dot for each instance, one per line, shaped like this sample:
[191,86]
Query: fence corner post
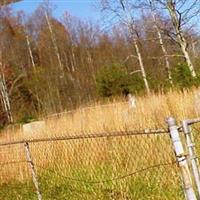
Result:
[192,153]
[181,159]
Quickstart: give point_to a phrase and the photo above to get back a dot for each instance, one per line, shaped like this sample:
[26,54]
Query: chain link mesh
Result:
[195,130]
[121,167]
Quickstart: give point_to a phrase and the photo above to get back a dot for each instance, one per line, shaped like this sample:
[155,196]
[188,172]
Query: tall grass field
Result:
[136,167]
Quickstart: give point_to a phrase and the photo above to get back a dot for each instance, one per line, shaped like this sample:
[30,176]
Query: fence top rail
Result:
[88,136]
[192,121]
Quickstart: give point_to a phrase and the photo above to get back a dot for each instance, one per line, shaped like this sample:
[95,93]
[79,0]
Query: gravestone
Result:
[34,127]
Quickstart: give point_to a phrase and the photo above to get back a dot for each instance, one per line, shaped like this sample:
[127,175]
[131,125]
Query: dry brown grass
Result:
[151,112]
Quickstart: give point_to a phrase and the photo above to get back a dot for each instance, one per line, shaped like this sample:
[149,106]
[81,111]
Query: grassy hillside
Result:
[101,168]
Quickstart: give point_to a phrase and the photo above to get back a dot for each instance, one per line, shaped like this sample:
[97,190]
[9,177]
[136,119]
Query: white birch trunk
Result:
[54,41]
[73,62]
[133,32]
[181,38]
[167,65]
[4,95]
[32,59]
[30,52]
[141,66]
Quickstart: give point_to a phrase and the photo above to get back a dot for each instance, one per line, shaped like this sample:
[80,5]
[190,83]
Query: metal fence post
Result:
[192,156]
[33,172]
[181,159]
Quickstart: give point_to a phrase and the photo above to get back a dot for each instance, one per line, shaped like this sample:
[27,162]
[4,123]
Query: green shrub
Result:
[182,77]
[26,119]
[114,80]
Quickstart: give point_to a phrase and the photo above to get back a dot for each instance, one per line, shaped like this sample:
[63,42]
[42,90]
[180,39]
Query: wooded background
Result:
[49,65]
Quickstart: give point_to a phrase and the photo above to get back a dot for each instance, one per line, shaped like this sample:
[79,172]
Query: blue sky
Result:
[83,9]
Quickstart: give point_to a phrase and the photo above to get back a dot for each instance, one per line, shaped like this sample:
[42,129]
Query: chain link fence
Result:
[116,165]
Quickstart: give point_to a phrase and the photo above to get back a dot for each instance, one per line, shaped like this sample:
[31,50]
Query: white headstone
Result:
[34,127]
[131,101]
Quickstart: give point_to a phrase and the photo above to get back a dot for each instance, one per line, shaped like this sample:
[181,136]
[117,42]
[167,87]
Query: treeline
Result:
[49,65]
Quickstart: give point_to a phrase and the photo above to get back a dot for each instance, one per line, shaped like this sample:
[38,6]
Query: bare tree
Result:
[161,42]
[67,20]
[30,51]
[182,13]
[28,42]
[5,100]
[54,41]
[140,59]
[123,10]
